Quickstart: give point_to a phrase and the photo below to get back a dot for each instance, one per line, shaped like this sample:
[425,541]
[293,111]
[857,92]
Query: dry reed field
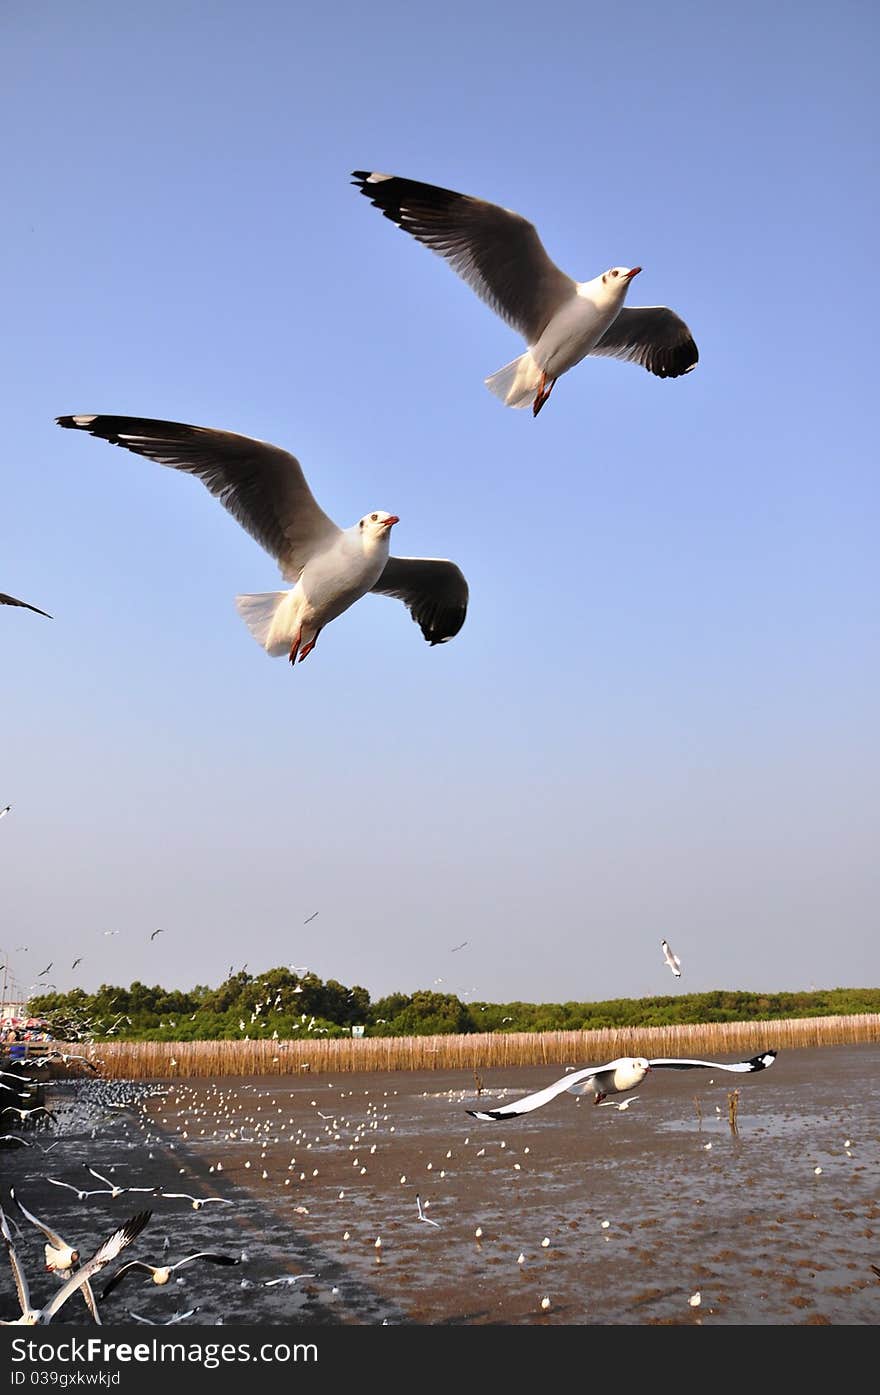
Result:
[142,1060]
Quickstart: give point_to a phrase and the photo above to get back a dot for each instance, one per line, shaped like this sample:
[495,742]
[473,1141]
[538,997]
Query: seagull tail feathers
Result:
[516,383]
[261,615]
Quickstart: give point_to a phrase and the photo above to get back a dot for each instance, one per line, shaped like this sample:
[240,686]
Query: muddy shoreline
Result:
[613,1218]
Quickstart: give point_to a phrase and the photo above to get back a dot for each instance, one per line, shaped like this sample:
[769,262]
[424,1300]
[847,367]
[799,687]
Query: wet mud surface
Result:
[573,1215]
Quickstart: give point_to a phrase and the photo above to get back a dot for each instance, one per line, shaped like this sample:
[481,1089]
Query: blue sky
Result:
[660,719]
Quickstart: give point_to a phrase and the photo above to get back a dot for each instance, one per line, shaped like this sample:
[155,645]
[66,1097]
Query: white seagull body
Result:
[265,490]
[615,1078]
[501,257]
[671,959]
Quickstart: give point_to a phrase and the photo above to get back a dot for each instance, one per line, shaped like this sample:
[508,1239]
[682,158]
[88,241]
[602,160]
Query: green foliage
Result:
[280,1004]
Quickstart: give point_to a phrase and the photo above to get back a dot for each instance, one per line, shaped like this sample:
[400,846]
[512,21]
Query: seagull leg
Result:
[600,1097]
[294,648]
[309,647]
[542,394]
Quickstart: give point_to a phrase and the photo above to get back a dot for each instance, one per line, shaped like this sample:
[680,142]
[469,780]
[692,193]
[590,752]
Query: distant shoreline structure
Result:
[160,1060]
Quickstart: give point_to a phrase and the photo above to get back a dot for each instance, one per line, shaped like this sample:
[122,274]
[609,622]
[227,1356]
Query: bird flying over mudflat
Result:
[615,1078]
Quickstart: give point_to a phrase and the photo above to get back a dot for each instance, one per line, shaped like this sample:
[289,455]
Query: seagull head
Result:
[617,278]
[630,1072]
[375,528]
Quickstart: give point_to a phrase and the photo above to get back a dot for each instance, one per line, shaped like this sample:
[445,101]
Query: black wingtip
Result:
[764,1061]
[135,1224]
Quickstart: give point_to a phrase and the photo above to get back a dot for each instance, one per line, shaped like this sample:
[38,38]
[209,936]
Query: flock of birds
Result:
[500,256]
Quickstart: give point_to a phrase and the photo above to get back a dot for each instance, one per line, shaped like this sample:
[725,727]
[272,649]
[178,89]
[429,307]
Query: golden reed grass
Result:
[145,1060]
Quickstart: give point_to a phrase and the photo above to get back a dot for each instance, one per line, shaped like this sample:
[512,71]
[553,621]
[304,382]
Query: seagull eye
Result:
[614,273]
[373,517]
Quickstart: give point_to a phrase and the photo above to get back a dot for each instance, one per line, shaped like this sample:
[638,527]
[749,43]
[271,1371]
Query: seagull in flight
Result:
[11,600]
[75,962]
[25,1113]
[616,1078]
[499,254]
[422,1216]
[197,1201]
[671,959]
[3,813]
[329,568]
[168,1322]
[155,933]
[161,1273]
[311,917]
[105,1254]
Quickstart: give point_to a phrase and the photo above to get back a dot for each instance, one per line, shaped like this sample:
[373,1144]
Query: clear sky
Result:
[660,719]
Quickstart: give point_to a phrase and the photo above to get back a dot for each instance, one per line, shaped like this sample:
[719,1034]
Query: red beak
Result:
[389,522]
[635,271]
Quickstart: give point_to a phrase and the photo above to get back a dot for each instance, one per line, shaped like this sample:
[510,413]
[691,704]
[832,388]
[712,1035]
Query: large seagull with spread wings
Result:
[501,257]
[265,490]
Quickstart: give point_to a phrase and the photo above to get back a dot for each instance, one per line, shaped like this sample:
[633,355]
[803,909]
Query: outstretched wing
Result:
[105,1254]
[18,1274]
[433,590]
[762,1062]
[121,1273]
[51,1235]
[206,1254]
[261,485]
[11,600]
[541,1097]
[652,335]
[498,253]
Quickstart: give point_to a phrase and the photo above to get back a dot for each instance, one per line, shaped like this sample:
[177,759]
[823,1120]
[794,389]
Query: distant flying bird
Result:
[168,1322]
[81,1195]
[671,959]
[113,1190]
[310,917]
[457,947]
[43,972]
[422,1216]
[111,932]
[105,1254]
[500,256]
[155,933]
[25,1113]
[265,490]
[615,1078]
[75,962]
[10,600]
[3,813]
[161,1273]
[622,1105]
[197,1201]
